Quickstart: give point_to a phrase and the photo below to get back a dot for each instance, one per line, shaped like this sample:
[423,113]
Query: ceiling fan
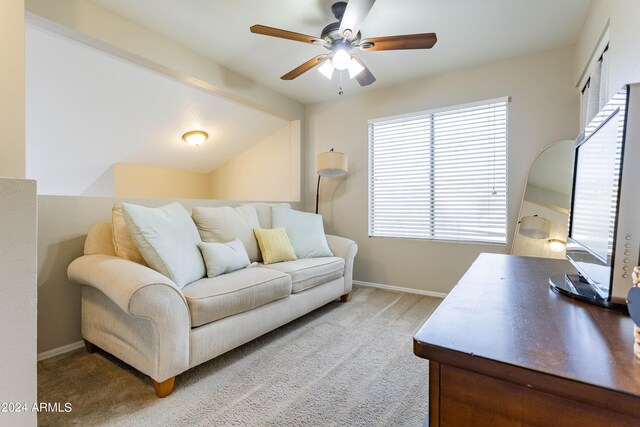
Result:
[342,36]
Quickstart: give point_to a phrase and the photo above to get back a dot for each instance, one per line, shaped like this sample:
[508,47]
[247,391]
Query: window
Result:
[440,174]
[595,92]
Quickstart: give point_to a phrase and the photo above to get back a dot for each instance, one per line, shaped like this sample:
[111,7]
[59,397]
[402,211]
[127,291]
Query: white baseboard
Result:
[60,350]
[400,289]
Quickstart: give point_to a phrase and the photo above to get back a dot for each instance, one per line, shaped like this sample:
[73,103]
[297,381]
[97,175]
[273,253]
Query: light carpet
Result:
[345,364]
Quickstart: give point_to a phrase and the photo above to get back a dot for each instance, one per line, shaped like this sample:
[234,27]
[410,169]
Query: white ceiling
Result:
[87,110]
[470,33]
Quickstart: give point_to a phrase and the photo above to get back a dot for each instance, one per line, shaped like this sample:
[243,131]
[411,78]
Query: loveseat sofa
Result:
[146,320]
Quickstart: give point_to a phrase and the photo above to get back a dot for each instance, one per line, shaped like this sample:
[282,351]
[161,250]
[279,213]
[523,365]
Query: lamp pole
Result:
[330,164]
[318,192]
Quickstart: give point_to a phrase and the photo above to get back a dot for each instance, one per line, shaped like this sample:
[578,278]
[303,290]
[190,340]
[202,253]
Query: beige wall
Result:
[621,17]
[543,109]
[268,171]
[17,227]
[12,107]
[18,297]
[159,183]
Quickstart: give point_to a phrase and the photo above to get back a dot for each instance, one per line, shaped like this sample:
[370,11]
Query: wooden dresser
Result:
[506,350]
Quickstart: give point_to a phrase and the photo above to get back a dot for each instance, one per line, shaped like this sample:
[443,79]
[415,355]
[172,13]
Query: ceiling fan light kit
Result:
[342,36]
[341,58]
[327,69]
[354,68]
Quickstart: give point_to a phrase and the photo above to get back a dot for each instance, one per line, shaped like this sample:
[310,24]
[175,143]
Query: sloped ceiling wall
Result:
[87,110]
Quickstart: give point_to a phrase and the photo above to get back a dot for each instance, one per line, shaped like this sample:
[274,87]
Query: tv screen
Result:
[597,178]
[594,204]
[604,227]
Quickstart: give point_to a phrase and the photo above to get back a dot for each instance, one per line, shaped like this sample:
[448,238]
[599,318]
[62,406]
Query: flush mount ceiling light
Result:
[195,137]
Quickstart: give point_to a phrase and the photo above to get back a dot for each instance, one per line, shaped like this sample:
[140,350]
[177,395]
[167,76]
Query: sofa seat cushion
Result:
[309,272]
[211,299]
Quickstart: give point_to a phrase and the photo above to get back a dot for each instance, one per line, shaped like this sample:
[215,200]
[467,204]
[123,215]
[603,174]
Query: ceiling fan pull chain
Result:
[340,92]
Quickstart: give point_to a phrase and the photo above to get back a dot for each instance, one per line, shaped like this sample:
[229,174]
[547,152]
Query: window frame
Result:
[502,99]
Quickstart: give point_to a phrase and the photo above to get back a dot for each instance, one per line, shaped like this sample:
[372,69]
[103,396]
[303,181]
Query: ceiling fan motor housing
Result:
[338,9]
[331,34]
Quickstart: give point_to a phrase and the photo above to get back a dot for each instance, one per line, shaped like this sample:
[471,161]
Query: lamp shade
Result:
[535,226]
[557,245]
[332,163]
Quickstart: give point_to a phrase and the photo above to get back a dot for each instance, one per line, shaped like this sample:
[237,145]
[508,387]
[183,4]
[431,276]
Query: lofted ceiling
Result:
[87,110]
[470,33]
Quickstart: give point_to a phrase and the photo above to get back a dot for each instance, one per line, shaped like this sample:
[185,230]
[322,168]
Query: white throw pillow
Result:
[168,240]
[221,258]
[264,212]
[305,230]
[223,224]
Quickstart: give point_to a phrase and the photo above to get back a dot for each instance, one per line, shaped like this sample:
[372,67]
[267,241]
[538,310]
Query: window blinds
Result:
[595,91]
[440,174]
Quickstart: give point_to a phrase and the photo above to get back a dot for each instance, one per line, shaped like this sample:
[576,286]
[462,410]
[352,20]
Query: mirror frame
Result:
[515,233]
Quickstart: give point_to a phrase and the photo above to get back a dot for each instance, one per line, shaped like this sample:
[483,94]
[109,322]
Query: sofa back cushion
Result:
[305,230]
[223,224]
[168,240]
[100,240]
[221,258]
[263,210]
[123,244]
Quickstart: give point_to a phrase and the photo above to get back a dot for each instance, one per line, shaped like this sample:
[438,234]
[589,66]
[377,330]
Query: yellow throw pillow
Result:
[123,244]
[274,245]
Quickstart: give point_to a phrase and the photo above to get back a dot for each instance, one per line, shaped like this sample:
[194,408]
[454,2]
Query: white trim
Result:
[60,350]
[504,99]
[598,49]
[400,289]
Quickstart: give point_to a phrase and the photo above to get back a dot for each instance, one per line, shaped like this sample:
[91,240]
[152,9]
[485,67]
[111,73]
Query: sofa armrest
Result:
[345,249]
[121,280]
[145,294]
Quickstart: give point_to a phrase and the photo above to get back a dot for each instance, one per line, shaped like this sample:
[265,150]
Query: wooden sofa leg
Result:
[165,388]
[91,347]
[344,298]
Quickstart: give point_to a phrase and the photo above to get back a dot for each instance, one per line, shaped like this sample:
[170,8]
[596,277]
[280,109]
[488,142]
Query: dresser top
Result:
[503,310]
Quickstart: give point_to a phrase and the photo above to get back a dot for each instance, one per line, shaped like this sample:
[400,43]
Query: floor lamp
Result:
[331,163]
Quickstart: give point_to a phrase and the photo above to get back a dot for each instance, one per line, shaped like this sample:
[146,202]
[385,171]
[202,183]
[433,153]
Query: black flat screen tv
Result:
[604,221]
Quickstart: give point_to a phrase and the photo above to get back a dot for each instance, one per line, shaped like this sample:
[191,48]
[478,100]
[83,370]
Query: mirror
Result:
[544,213]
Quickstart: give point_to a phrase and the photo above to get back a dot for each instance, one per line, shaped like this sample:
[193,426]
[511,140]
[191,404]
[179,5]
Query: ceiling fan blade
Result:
[364,77]
[284,34]
[407,41]
[313,62]
[354,16]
